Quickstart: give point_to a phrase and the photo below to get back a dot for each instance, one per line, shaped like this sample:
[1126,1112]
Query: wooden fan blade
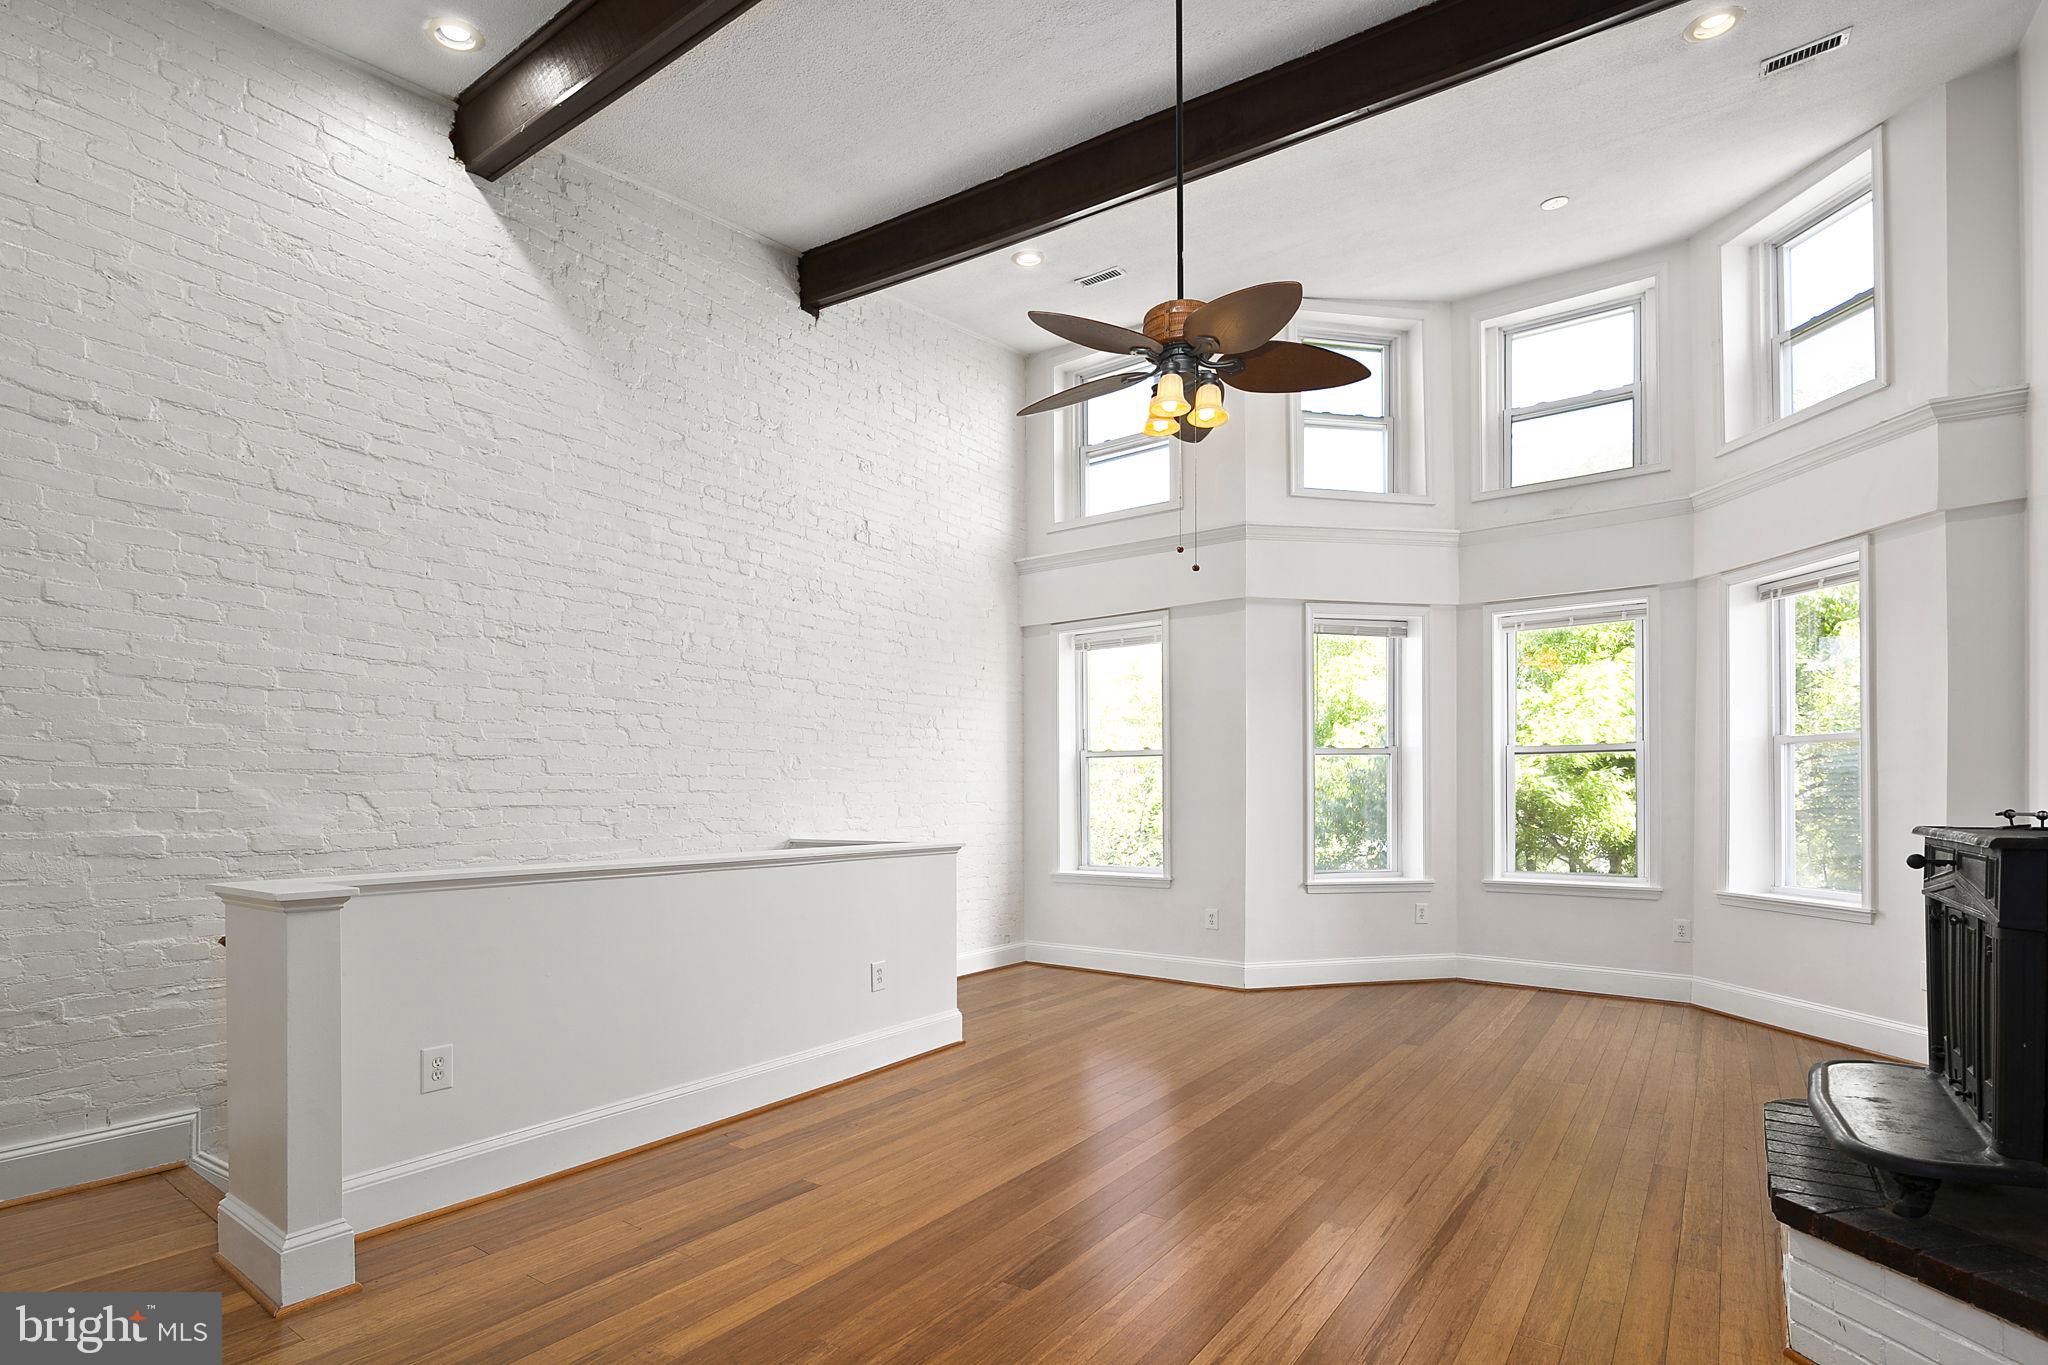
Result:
[1245,319]
[1081,393]
[1193,435]
[1291,367]
[1097,336]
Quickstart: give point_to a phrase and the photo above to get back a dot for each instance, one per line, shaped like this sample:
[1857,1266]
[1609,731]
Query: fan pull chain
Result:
[1195,509]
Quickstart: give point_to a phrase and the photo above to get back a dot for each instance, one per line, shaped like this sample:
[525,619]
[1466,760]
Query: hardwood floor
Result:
[1111,1170]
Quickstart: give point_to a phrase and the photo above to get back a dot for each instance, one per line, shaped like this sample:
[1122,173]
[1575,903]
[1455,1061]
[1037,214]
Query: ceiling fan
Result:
[1189,345]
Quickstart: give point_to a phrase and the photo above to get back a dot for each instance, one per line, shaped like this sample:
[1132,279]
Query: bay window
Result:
[1119,799]
[1354,748]
[1571,394]
[1824,303]
[1816,624]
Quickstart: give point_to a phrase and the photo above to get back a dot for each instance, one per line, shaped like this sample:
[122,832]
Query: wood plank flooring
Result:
[1111,1170]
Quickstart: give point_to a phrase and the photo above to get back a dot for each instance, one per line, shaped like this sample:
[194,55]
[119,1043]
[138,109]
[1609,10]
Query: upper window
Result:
[1120,797]
[1817,730]
[1347,434]
[1353,671]
[1571,389]
[1574,750]
[1120,467]
[1824,303]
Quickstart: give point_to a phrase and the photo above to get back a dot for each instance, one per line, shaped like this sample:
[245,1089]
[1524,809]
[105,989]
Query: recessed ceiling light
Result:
[1555,202]
[457,35]
[1713,23]
[1027,258]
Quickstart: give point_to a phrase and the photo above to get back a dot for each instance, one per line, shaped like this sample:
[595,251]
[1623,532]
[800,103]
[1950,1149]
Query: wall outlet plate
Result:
[1681,931]
[1209,918]
[1422,912]
[878,976]
[437,1068]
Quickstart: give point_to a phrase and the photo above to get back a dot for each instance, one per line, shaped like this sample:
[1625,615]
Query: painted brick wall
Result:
[1844,1310]
[360,514]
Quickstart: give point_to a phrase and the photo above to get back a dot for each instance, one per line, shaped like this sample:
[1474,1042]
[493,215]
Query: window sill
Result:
[1150,509]
[1549,485]
[1825,405]
[1845,911]
[1334,887]
[1355,495]
[1616,888]
[1155,879]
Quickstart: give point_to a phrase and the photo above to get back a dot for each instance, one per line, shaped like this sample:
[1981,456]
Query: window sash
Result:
[1786,742]
[1308,418]
[1085,756]
[1395,633]
[1511,752]
[1633,307]
[1780,340]
[1086,456]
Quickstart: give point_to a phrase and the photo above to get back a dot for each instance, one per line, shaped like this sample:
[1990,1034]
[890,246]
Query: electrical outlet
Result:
[1681,931]
[1422,912]
[877,976]
[1209,918]
[437,1068]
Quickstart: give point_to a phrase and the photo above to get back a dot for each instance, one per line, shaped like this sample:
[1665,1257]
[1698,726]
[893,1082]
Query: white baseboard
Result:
[1891,1037]
[1204,971]
[1575,976]
[289,1268]
[372,1199]
[213,1169]
[1344,971]
[988,959]
[117,1149]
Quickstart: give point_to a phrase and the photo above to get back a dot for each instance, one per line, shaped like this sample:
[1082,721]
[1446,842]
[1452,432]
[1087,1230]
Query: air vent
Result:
[1100,277]
[1804,53]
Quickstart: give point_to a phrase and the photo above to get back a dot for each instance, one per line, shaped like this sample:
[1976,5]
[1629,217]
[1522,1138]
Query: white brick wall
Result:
[1843,1310]
[357,513]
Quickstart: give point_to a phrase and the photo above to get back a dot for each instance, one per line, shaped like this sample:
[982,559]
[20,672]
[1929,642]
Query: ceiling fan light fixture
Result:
[1156,425]
[1208,411]
[1713,24]
[1170,399]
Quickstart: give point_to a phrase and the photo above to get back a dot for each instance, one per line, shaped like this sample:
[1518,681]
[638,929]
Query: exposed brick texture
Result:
[360,514]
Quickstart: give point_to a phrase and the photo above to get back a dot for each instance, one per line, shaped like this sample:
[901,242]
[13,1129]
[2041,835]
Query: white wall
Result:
[1930,466]
[361,514]
[2033,134]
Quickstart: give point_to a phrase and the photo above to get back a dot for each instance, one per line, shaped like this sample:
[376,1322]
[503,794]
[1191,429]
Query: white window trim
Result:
[1504,623]
[1074,641]
[1773,368]
[1779,899]
[1638,291]
[1746,364]
[1071,489]
[1783,744]
[1408,767]
[1395,422]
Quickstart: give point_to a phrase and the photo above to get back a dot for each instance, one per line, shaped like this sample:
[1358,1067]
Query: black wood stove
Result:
[1977,1111]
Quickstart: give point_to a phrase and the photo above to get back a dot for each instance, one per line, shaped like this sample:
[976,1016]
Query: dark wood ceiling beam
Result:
[574,65]
[1381,68]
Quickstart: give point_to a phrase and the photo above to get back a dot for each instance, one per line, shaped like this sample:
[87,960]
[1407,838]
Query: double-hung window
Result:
[1120,468]
[1354,691]
[1120,774]
[1574,750]
[1816,621]
[1571,388]
[1823,333]
[1347,434]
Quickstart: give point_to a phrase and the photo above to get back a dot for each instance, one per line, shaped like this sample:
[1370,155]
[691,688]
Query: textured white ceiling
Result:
[804,120]
[1651,136]
[391,35]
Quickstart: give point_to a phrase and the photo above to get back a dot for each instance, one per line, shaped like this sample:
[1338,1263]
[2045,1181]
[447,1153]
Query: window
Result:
[1573,756]
[1120,467]
[1354,672]
[1816,622]
[1571,394]
[1347,434]
[1120,703]
[1824,303]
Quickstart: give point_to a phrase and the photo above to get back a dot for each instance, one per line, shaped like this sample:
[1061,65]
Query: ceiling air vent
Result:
[1100,277]
[1805,52]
